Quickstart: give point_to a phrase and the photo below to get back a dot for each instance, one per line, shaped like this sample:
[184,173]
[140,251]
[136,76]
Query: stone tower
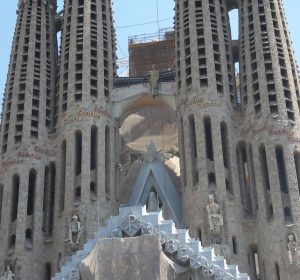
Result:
[242,146]
[238,134]
[26,149]
[85,129]
[57,134]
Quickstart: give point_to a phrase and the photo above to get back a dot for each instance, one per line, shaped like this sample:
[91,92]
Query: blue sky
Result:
[126,13]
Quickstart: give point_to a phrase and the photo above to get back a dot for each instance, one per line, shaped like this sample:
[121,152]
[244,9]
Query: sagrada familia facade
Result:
[61,180]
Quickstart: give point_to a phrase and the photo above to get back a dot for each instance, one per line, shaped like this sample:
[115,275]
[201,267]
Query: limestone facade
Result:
[238,136]
[240,145]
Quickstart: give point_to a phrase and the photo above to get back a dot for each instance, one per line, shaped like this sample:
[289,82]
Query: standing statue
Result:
[292,248]
[74,230]
[153,204]
[215,218]
[154,78]
[7,274]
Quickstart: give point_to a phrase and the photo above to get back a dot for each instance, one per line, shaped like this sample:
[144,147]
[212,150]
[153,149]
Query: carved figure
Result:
[153,205]
[215,218]
[147,228]
[74,230]
[74,274]
[292,248]
[154,78]
[131,224]
[7,274]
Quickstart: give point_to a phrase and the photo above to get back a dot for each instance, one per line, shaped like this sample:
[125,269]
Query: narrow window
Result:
[181,130]
[45,200]
[193,149]
[93,190]
[252,179]
[47,271]
[234,245]
[78,152]
[59,261]
[281,170]
[212,180]
[48,200]
[243,169]
[297,165]
[266,181]
[12,241]
[193,137]
[283,184]
[94,150]
[208,138]
[31,192]
[200,235]
[226,157]
[63,176]
[52,195]
[15,197]
[107,161]
[78,194]
[277,271]
[1,201]
[28,235]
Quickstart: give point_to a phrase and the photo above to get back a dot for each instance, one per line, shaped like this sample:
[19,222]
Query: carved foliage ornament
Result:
[7,274]
[132,224]
[74,274]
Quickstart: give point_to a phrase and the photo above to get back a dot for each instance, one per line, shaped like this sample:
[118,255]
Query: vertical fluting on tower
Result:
[269,81]
[30,83]
[202,27]
[206,95]
[25,148]
[246,155]
[85,124]
[87,54]
[267,137]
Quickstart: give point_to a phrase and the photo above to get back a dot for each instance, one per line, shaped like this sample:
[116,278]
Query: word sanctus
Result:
[200,102]
[83,115]
[272,131]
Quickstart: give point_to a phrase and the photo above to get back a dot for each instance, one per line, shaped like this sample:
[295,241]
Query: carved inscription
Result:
[272,131]
[200,102]
[8,163]
[12,162]
[97,113]
[35,152]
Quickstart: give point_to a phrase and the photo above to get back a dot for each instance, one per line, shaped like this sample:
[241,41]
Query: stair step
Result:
[168,227]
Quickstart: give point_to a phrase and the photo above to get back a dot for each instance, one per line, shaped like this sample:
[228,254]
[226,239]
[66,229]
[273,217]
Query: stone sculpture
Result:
[215,218]
[292,248]
[74,230]
[154,78]
[153,204]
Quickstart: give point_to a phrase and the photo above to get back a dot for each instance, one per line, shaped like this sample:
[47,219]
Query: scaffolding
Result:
[151,50]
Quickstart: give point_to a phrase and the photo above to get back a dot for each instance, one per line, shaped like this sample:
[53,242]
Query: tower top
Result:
[45,2]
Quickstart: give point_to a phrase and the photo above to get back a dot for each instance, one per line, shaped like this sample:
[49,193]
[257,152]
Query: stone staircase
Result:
[134,220]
